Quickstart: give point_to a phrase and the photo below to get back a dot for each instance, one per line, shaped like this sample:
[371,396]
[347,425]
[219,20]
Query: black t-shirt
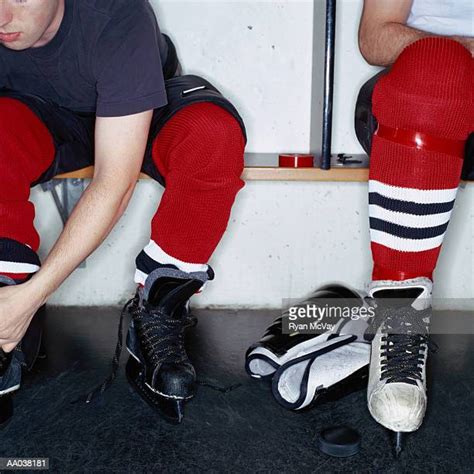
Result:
[106,58]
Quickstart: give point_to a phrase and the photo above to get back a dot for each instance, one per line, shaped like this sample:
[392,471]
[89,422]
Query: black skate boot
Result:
[307,369]
[275,348]
[159,368]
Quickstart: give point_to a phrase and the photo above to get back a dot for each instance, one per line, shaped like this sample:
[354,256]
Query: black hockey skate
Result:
[275,348]
[306,369]
[158,367]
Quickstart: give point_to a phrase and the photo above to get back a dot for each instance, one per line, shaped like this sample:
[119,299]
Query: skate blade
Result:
[398,444]
[172,410]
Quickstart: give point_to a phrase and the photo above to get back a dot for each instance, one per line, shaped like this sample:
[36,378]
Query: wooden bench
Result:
[263,167]
[267,173]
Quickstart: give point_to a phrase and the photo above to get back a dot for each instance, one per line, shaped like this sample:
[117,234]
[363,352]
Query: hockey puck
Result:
[295,161]
[339,441]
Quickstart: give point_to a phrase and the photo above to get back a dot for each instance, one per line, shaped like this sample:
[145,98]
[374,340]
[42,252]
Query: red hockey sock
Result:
[26,151]
[424,107]
[200,154]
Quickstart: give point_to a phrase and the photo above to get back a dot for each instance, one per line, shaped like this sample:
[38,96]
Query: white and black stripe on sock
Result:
[153,257]
[409,220]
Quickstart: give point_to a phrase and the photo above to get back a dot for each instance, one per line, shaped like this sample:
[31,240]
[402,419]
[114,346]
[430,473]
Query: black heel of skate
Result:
[172,410]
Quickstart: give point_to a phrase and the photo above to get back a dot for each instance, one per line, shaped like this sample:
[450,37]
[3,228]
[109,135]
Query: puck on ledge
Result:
[339,441]
[295,161]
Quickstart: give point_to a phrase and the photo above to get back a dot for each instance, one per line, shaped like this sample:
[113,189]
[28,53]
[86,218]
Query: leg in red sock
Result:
[200,153]
[26,151]
[424,108]
[413,183]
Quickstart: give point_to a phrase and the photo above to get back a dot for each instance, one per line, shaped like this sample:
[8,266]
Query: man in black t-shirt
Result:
[85,82]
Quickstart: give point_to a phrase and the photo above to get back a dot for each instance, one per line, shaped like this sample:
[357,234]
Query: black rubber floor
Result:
[243,430]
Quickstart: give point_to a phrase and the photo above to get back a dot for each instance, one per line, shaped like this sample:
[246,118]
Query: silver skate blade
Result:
[172,410]
[398,443]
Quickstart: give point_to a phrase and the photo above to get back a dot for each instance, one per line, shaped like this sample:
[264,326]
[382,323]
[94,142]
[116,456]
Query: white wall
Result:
[258,53]
[284,238]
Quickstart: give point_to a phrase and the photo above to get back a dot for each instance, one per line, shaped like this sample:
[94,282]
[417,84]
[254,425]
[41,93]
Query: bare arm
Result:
[120,145]
[383,33]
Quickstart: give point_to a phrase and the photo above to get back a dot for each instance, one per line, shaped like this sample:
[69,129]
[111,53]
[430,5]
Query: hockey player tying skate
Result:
[85,82]
[420,112]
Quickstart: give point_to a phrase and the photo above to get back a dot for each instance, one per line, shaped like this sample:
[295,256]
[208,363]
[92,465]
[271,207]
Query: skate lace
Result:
[100,389]
[404,343]
[154,341]
[148,331]
[161,337]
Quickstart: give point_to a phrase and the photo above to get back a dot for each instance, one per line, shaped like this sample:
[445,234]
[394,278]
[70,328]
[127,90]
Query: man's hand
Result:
[18,305]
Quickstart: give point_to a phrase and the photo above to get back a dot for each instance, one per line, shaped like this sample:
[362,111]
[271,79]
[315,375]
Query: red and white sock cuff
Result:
[153,257]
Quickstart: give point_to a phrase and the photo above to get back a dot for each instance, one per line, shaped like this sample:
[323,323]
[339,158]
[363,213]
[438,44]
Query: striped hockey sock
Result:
[199,152]
[153,257]
[17,261]
[407,227]
[424,110]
